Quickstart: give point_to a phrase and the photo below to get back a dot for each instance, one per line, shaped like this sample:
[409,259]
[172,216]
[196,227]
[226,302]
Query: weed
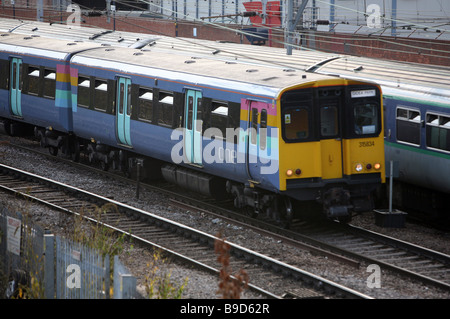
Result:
[158,283]
[230,287]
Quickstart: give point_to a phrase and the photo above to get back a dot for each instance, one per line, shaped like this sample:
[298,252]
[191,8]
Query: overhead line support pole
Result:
[292,23]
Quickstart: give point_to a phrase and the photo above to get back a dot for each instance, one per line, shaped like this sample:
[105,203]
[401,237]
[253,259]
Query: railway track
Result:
[419,263]
[178,240]
[352,245]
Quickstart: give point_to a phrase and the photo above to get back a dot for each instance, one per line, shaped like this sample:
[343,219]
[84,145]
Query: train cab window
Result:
[84,85]
[329,121]
[100,95]
[408,125]
[365,115]
[438,132]
[296,123]
[49,83]
[165,109]
[33,80]
[145,104]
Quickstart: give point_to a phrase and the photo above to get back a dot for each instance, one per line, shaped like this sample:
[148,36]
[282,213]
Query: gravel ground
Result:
[199,284]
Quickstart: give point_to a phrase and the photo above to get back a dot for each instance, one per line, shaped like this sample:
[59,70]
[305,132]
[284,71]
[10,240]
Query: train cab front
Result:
[332,146]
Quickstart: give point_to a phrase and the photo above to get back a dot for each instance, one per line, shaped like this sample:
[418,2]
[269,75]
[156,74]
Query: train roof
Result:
[183,65]
[87,34]
[38,45]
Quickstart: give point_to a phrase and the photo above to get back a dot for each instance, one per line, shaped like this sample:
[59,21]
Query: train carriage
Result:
[35,85]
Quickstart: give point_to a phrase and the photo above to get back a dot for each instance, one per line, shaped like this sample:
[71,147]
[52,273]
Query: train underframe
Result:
[334,201]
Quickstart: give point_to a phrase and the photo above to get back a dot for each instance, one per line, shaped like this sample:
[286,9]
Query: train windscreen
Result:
[330,112]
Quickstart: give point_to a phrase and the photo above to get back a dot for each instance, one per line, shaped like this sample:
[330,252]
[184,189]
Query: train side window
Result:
[254,128]
[219,116]
[33,80]
[408,126]
[438,132]
[263,130]
[234,122]
[100,95]
[190,112]
[4,74]
[122,99]
[165,109]
[146,104]
[84,86]
[296,123]
[199,123]
[14,74]
[49,83]
[129,105]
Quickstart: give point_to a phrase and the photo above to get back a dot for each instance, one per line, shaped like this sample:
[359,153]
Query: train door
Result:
[257,137]
[330,106]
[123,103]
[193,122]
[16,86]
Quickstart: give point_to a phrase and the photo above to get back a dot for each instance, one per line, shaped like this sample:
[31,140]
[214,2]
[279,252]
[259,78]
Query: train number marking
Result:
[367,144]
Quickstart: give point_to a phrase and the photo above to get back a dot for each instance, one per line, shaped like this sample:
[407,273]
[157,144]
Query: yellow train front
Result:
[331,148]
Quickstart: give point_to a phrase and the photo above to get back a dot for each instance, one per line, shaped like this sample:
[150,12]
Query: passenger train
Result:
[270,137]
[416,100]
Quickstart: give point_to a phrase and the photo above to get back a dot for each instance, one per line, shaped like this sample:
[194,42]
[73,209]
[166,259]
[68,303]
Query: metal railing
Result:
[63,268]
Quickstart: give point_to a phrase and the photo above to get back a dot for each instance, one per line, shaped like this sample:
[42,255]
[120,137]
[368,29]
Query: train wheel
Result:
[75,151]
[91,157]
[53,150]
[285,212]
[249,211]
[104,165]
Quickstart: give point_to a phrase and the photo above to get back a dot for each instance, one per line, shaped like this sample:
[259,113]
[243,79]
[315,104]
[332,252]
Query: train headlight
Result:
[377,166]
[358,167]
[289,172]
